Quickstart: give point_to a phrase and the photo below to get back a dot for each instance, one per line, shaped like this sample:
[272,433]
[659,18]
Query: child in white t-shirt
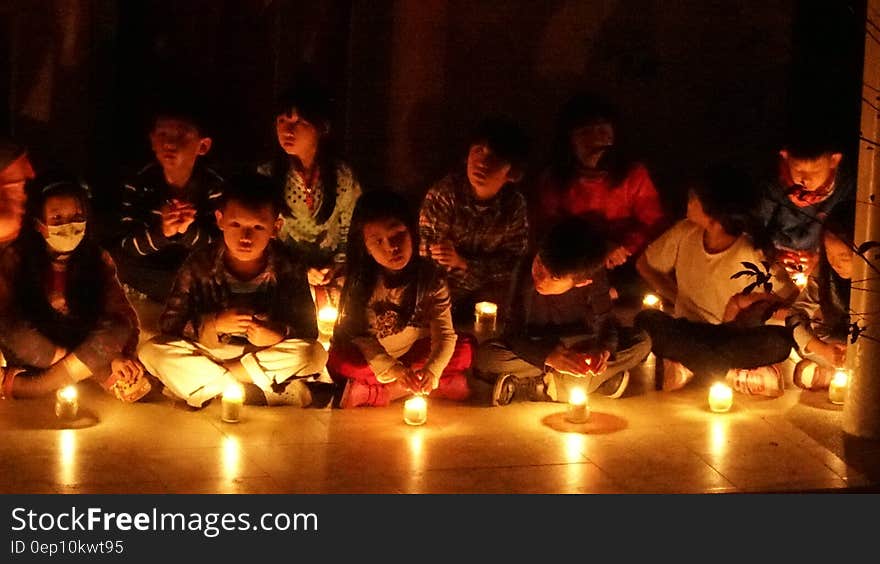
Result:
[695,265]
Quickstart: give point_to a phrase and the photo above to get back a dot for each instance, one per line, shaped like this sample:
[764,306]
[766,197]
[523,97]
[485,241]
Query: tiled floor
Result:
[647,441]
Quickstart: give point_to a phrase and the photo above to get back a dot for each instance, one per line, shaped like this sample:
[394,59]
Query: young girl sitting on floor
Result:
[819,318]
[395,335]
[64,316]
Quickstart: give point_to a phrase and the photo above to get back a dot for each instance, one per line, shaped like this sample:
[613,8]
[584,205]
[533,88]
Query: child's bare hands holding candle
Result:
[428,380]
[406,377]
[563,359]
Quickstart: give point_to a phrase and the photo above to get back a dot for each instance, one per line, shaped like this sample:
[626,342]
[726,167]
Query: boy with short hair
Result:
[560,330]
[473,223]
[696,265]
[167,208]
[240,310]
[810,182]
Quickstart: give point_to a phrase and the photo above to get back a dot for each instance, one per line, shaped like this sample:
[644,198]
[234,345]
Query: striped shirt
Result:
[141,221]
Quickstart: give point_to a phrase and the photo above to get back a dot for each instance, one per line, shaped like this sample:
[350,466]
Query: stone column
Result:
[861,410]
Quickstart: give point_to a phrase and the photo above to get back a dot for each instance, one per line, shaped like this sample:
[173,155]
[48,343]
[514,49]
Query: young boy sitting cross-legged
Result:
[561,332]
[240,310]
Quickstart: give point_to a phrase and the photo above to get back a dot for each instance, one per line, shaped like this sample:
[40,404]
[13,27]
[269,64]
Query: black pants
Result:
[714,349]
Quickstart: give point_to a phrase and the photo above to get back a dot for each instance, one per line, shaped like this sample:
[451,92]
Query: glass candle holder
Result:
[415,410]
[66,403]
[837,387]
[485,314]
[720,397]
[231,405]
[578,408]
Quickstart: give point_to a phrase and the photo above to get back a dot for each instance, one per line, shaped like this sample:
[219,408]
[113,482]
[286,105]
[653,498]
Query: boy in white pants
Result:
[240,310]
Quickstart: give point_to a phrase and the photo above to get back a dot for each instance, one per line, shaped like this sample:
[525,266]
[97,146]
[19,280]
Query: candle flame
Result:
[577,396]
[328,314]
[799,279]
[233,392]
[417,402]
[840,378]
[487,308]
[67,393]
[651,300]
[720,390]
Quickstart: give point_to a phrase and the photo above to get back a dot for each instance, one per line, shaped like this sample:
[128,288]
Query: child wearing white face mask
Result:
[63,314]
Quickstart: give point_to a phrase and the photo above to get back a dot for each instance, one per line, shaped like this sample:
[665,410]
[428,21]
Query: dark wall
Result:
[697,80]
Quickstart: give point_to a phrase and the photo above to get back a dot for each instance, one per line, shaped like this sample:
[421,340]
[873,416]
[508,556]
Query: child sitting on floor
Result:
[167,209]
[240,310]
[64,316]
[395,335]
[819,318]
[561,332]
[696,266]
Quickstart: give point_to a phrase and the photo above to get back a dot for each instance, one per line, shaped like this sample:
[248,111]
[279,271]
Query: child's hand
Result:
[233,321]
[616,257]
[126,369]
[599,362]
[428,380]
[406,377]
[566,360]
[186,216]
[170,219]
[445,254]
[833,353]
[60,353]
[262,336]
[320,276]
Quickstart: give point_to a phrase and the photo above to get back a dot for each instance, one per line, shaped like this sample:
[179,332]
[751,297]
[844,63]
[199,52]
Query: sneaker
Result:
[810,376]
[508,387]
[675,375]
[615,387]
[358,394]
[294,392]
[504,390]
[762,381]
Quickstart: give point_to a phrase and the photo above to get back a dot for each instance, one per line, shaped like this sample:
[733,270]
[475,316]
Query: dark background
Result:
[697,80]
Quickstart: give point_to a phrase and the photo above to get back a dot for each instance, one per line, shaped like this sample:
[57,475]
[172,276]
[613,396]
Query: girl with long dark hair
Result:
[319,189]
[64,316]
[394,335]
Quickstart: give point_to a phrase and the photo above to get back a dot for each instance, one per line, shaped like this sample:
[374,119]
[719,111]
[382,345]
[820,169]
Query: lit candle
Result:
[837,388]
[720,397]
[486,313]
[578,410]
[651,301]
[327,316]
[799,279]
[233,399]
[66,403]
[415,410]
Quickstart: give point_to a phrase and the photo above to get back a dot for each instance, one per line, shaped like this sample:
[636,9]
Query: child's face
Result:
[486,172]
[296,136]
[246,231]
[63,224]
[695,211]
[58,210]
[177,144]
[389,243]
[591,140]
[812,174]
[840,256]
[548,284]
